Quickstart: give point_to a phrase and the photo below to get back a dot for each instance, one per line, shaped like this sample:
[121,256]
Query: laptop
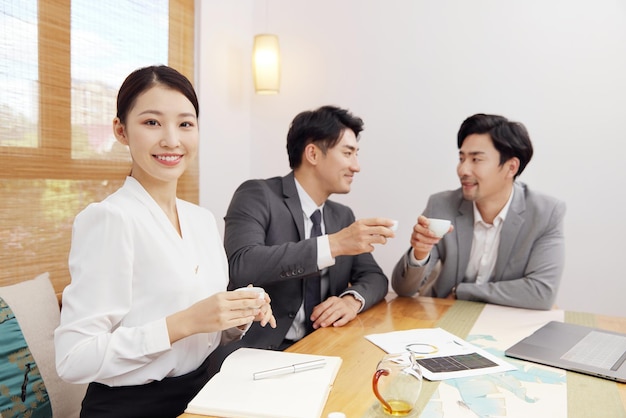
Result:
[577,348]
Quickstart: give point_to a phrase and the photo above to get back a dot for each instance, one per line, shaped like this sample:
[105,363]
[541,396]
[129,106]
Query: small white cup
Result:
[394,227]
[439,226]
[259,290]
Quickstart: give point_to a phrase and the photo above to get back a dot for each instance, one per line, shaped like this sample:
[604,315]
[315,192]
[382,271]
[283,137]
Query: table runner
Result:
[459,320]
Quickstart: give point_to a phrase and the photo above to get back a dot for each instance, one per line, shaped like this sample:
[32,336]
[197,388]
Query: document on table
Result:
[233,392]
[441,354]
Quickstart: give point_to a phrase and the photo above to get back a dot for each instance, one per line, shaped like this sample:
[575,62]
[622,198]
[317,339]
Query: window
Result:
[102,55]
[19,68]
[62,62]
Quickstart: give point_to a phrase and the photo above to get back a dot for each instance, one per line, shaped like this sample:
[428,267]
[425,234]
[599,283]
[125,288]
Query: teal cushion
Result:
[22,391]
[36,307]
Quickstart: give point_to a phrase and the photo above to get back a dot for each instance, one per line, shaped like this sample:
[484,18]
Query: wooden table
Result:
[352,393]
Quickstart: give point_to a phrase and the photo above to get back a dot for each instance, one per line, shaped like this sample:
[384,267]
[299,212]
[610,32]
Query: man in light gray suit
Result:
[506,245]
[313,281]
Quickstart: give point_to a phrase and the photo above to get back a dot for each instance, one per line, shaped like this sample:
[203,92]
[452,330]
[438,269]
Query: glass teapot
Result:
[397,383]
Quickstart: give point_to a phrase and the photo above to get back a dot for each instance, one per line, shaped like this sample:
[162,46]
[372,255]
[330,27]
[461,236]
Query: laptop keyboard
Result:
[599,349]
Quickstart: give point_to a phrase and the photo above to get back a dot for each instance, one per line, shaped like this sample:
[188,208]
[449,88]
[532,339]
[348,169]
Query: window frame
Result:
[52,159]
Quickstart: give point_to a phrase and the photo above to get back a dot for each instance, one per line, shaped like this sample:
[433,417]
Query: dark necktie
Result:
[312,286]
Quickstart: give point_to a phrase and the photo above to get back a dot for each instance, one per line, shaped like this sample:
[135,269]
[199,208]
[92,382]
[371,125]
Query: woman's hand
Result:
[265,315]
[221,311]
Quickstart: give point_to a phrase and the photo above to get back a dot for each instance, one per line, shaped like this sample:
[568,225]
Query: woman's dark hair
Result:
[142,79]
[322,127]
[510,139]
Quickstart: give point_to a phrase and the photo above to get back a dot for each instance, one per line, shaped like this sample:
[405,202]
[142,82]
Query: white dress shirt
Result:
[485,244]
[131,269]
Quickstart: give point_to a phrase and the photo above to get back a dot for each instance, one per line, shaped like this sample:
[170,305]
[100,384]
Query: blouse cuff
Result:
[156,337]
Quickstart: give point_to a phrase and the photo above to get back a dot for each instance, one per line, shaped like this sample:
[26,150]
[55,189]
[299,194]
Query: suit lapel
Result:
[511,227]
[330,220]
[464,226]
[330,227]
[290,194]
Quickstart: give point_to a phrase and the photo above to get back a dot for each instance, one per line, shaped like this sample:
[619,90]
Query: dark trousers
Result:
[159,399]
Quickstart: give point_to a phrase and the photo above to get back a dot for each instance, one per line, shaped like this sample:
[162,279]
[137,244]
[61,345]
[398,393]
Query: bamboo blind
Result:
[43,187]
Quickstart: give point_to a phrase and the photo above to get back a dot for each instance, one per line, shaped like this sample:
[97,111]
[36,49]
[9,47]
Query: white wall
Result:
[413,70]
[224,91]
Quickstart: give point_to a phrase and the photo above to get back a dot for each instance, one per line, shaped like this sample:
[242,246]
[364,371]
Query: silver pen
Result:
[294,368]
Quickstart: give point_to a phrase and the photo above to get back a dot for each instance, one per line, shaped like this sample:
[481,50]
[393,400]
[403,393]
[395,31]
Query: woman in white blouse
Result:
[147,301]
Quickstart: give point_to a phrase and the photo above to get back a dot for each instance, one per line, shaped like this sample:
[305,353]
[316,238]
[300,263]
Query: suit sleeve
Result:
[262,241]
[406,279]
[538,287]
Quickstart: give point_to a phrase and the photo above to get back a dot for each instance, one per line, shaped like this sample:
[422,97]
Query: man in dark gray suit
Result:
[506,245]
[270,243]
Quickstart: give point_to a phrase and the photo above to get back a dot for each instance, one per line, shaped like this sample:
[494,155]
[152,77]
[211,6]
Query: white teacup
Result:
[259,290]
[439,226]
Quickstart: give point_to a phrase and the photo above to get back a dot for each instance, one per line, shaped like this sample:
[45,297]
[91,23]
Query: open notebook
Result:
[234,393]
[577,348]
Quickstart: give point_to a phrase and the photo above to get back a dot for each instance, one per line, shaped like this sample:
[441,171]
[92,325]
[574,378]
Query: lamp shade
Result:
[266,64]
